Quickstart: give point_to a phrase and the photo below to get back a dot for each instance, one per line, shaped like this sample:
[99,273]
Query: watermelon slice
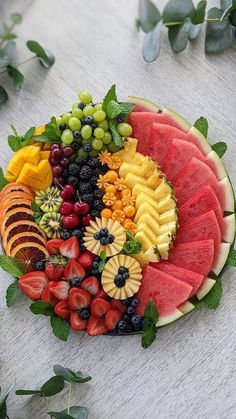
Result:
[196,256]
[198,175]
[143,105]
[166,291]
[203,227]
[189,277]
[229,228]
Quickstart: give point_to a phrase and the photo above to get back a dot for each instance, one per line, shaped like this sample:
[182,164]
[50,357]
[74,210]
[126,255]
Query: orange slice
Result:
[15,203]
[21,227]
[16,215]
[15,195]
[28,254]
[16,186]
[23,238]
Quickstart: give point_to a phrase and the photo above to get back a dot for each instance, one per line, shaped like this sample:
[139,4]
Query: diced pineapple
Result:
[127,168]
[131,180]
[128,152]
[150,221]
[168,227]
[166,203]
[168,216]
[150,232]
[163,189]
[155,179]
[144,240]
[146,208]
[164,250]
[165,238]
[138,188]
[143,197]
[152,255]
[148,167]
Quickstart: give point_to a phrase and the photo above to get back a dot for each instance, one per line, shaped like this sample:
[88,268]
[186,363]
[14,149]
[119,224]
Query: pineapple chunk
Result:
[128,153]
[150,221]
[152,255]
[146,208]
[144,240]
[139,188]
[168,216]
[166,203]
[127,168]
[168,227]
[142,197]
[164,250]
[163,189]
[148,167]
[149,231]
[155,179]
[131,180]
[165,238]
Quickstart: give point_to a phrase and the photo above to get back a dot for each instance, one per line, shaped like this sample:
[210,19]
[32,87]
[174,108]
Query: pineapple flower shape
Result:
[104,235]
[121,277]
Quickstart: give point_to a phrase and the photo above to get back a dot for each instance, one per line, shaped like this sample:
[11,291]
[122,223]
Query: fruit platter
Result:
[116,218]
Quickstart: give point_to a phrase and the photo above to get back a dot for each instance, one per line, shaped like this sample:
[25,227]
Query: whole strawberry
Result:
[55,267]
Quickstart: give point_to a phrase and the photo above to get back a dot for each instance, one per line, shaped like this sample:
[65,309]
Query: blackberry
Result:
[88,197]
[85,187]
[85,173]
[74,169]
[93,163]
[97,172]
[65,173]
[94,180]
[104,169]
[98,194]
[98,205]
[74,181]
[80,162]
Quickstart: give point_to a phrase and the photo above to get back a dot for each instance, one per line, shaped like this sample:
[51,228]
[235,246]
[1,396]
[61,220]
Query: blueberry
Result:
[122,325]
[94,125]
[75,145]
[84,314]
[39,266]
[62,127]
[126,318]
[88,120]
[87,148]
[75,282]
[104,232]
[122,270]
[96,236]
[77,134]
[66,235]
[95,264]
[77,233]
[81,105]
[129,328]
[136,320]
[120,119]
[83,121]
[95,271]
[119,281]
[134,302]
[103,241]
[125,275]
[130,311]
[126,302]
[110,238]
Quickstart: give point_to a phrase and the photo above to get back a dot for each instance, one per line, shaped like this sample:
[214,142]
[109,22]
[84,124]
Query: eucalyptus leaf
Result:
[11,52]
[232,17]
[199,13]
[151,44]
[149,15]
[27,392]
[224,4]
[53,386]
[60,415]
[17,77]
[219,35]
[76,412]
[45,56]
[3,95]
[16,18]
[178,35]
[194,31]
[178,10]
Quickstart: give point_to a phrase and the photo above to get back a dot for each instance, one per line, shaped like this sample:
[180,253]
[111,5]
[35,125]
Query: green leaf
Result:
[13,142]
[60,327]
[231,261]
[10,52]
[151,312]
[213,298]
[115,134]
[3,410]
[27,392]
[152,43]
[3,95]
[29,134]
[17,77]
[76,412]
[60,415]
[149,15]
[45,56]
[13,293]
[111,95]
[202,125]
[103,255]
[35,207]
[178,35]
[3,405]
[113,109]
[199,13]
[194,31]
[148,336]
[11,266]
[225,4]
[132,247]
[51,134]
[220,148]
[40,307]
[16,18]
[150,320]
[219,35]
[71,376]
[53,386]
[3,181]
[178,10]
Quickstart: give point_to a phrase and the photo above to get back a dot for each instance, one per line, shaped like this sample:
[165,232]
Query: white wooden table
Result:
[190,371]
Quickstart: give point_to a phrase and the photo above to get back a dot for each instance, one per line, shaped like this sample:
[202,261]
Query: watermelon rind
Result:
[229,195]
[217,163]
[204,145]
[220,260]
[186,307]
[229,228]
[205,288]
[183,124]
[147,104]
[165,320]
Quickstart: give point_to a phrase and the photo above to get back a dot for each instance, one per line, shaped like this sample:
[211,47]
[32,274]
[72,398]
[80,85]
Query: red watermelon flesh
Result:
[197,175]
[203,201]
[166,291]
[195,256]
[192,278]
[203,227]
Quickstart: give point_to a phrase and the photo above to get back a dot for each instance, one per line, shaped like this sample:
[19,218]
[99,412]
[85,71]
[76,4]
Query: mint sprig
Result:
[17,141]
[202,125]
[51,134]
[132,246]
[41,307]
[13,293]
[60,327]
[11,266]
[37,212]
[212,300]
[220,148]
[3,181]
[231,261]
[102,262]
[150,320]
[110,96]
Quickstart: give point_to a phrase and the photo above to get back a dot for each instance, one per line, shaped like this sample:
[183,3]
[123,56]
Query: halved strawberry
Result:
[79,299]
[62,309]
[59,289]
[47,296]
[55,267]
[70,248]
[33,283]
[112,317]
[91,284]
[99,307]
[53,246]
[73,270]
[102,294]
[86,260]
[96,326]
[118,305]
[76,323]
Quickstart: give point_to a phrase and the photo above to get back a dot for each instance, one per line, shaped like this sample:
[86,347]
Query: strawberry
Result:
[118,305]
[62,309]
[33,283]
[99,307]
[59,289]
[96,326]
[73,270]
[76,323]
[102,294]
[47,296]
[86,260]
[70,248]
[91,284]
[112,317]
[55,267]
[53,246]
[79,299]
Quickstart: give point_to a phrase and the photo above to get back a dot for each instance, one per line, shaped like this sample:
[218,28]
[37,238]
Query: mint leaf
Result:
[3,181]
[60,327]
[149,324]
[17,77]
[13,293]
[111,95]
[213,298]
[231,261]
[14,142]
[148,336]
[220,148]
[202,125]
[11,266]
[113,109]
[53,386]
[29,134]
[115,134]
[132,247]
[51,134]
[151,312]
[102,262]
[126,108]
[40,307]
[37,212]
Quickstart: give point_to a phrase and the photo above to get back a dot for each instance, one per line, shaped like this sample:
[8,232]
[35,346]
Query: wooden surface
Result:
[190,371]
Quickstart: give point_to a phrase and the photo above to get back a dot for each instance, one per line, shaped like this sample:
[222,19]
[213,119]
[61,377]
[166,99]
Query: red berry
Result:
[86,220]
[81,208]
[67,208]
[118,305]
[53,246]
[57,171]
[47,296]
[91,285]
[76,323]
[68,192]
[86,260]
[96,326]
[99,307]
[56,153]
[78,299]
[55,270]
[71,221]
[70,248]
[59,289]
[112,317]
[74,270]
[62,309]
[33,283]
[102,294]
[68,151]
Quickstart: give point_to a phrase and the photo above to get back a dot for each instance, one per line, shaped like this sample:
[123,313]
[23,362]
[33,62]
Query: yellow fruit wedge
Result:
[163,189]
[164,238]
[131,180]
[152,255]
[168,216]
[127,153]
[146,208]
[148,231]
[138,188]
[150,221]
[143,197]
[142,237]
[155,179]
[168,227]
[164,250]
[166,203]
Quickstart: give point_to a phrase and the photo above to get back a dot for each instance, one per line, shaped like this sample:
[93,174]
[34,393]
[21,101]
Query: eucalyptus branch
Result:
[20,64]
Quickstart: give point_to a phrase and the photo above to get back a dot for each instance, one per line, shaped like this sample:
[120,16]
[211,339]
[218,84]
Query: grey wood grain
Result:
[190,371]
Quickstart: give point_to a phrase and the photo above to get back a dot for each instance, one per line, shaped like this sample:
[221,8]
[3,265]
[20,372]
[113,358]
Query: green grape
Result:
[104,147]
[65,117]
[59,120]
[99,133]
[98,107]
[113,147]
[77,113]
[67,137]
[75,105]
[107,138]
[99,116]
[93,153]
[97,144]
[88,110]
[85,97]
[86,132]
[104,125]
[74,124]
[124,129]
[81,153]
[87,140]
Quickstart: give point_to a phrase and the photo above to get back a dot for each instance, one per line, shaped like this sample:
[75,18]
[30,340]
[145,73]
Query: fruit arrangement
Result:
[121,216]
